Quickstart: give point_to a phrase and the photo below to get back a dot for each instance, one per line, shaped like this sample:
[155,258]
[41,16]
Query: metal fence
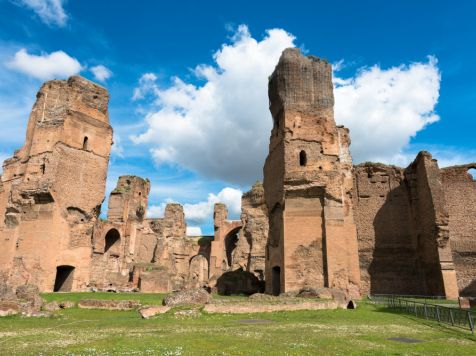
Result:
[454,316]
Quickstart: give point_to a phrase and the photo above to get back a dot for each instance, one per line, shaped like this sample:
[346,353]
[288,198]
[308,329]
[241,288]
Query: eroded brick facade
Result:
[308,182]
[317,221]
[53,187]
[403,229]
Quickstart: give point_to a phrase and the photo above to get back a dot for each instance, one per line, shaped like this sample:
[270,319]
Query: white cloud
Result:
[194,231]
[202,212]
[385,108]
[45,66]
[117,148]
[221,128]
[101,73]
[146,85]
[156,211]
[51,12]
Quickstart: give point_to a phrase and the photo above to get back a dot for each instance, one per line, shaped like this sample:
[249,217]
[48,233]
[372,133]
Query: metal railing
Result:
[454,316]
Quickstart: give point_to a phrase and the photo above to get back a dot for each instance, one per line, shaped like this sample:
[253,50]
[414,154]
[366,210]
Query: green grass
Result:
[337,332]
[144,298]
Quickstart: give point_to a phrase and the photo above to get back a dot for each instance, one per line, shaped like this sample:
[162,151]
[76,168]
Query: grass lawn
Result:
[337,332]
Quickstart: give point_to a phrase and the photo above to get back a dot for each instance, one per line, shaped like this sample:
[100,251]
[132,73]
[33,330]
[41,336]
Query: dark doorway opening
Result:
[85,143]
[64,279]
[302,158]
[230,244]
[112,240]
[276,280]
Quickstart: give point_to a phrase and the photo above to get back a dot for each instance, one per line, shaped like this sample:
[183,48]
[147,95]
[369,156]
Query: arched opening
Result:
[230,244]
[112,241]
[351,305]
[85,143]
[64,279]
[302,158]
[472,173]
[276,277]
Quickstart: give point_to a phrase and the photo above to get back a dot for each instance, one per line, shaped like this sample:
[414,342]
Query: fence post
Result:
[438,313]
[452,318]
[426,311]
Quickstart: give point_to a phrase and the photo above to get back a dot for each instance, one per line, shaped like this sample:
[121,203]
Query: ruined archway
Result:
[112,241]
[231,240]
[198,272]
[64,278]
[472,172]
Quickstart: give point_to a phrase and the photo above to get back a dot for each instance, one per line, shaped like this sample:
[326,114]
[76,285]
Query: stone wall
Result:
[402,225]
[387,246]
[413,233]
[308,182]
[430,219]
[460,192]
[238,248]
[54,185]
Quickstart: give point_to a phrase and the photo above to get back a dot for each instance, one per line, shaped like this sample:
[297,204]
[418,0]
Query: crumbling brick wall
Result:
[308,182]
[402,225]
[54,185]
[387,248]
[460,192]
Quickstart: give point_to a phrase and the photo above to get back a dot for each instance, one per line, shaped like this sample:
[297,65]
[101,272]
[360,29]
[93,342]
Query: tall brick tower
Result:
[54,185]
[308,181]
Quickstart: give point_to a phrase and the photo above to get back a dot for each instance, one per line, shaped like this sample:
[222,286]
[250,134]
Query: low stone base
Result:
[238,308]
[108,304]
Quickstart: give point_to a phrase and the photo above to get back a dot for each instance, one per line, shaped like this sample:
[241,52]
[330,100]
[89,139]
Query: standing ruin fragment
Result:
[317,221]
[52,188]
[308,183]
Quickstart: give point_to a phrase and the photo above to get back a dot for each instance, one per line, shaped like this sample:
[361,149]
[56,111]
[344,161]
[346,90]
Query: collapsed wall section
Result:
[388,251]
[54,186]
[237,257]
[460,191]
[403,232]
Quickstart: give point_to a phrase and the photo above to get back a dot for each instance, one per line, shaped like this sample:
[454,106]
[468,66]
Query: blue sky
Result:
[188,82]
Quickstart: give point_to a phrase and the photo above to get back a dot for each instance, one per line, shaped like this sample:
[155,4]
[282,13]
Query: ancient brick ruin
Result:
[317,221]
[308,182]
[53,186]
[410,230]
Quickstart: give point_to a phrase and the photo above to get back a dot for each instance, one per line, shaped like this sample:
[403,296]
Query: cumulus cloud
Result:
[45,66]
[51,12]
[101,73]
[147,85]
[194,231]
[385,108]
[221,129]
[117,149]
[202,212]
